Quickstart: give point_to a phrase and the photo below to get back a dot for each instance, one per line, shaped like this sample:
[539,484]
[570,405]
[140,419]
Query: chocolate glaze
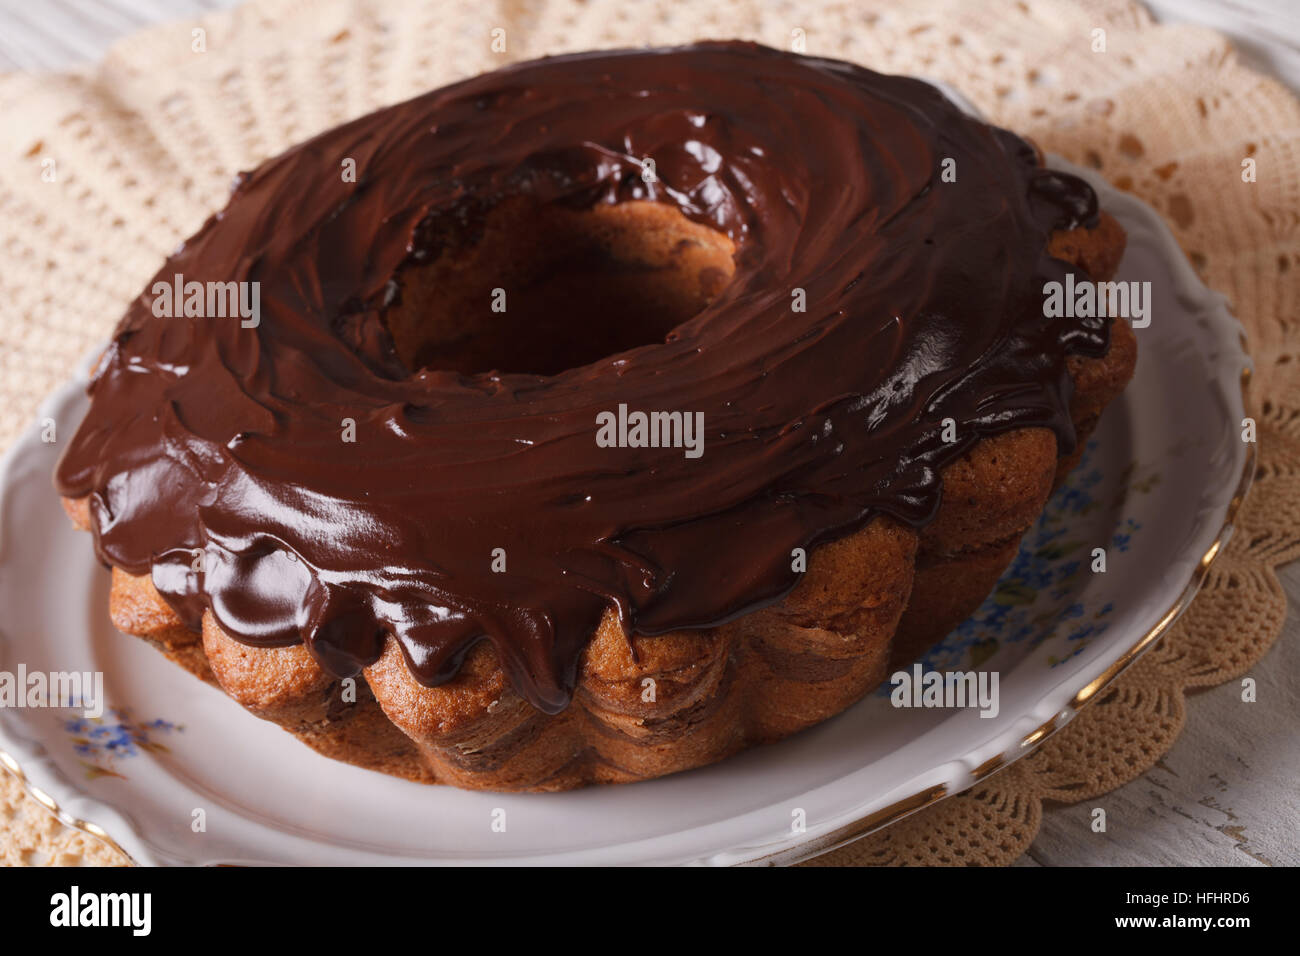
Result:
[924,301]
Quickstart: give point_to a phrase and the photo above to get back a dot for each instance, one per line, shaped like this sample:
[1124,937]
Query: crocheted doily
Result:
[146,143]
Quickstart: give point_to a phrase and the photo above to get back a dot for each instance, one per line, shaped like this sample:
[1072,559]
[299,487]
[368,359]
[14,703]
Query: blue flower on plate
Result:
[101,741]
[1042,592]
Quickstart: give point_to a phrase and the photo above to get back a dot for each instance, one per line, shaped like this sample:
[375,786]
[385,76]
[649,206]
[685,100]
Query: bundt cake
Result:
[598,417]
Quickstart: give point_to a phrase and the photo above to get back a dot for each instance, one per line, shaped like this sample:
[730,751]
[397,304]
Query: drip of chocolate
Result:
[924,302]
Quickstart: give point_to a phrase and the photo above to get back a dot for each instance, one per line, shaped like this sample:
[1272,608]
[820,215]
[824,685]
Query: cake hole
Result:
[576,286]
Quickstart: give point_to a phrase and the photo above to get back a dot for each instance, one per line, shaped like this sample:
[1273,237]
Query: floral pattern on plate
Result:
[1039,597]
[100,742]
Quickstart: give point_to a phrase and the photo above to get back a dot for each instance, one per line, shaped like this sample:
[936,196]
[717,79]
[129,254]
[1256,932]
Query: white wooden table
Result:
[1229,790]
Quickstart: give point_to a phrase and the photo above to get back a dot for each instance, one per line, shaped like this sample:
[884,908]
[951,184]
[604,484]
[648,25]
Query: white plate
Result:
[1157,489]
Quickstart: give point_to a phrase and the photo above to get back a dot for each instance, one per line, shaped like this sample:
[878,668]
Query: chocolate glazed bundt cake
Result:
[383,514]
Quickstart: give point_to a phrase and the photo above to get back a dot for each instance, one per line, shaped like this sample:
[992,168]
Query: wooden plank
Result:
[1227,793]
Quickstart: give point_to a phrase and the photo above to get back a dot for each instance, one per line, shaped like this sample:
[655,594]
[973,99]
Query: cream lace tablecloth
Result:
[145,145]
